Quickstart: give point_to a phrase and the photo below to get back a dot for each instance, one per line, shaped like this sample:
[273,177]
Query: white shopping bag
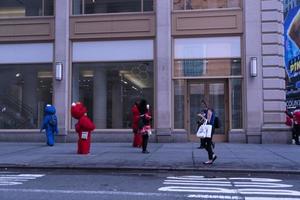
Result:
[84,135]
[204,131]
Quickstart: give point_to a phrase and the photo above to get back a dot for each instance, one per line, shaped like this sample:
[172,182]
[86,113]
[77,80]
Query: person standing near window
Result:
[144,124]
[137,137]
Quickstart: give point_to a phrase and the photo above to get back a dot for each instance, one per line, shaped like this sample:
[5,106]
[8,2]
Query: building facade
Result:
[173,53]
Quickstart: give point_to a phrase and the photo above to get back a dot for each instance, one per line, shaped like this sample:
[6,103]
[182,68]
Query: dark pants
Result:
[208,147]
[296,133]
[145,141]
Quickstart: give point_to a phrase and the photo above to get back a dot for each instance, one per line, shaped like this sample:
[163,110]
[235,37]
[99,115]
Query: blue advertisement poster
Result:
[292,57]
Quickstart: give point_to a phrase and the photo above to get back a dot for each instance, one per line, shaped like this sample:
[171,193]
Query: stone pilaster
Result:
[274,129]
[163,70]
[61,54]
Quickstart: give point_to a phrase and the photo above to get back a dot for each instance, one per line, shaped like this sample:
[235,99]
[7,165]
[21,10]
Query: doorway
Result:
[215,94]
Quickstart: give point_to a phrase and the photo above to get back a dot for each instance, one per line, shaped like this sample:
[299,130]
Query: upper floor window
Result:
[205,4]
[111,6]
[22,8]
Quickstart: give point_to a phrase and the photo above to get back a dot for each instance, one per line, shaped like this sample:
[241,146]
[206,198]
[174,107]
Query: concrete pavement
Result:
[166,156]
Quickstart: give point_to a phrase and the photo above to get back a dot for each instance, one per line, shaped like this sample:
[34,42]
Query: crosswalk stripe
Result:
[8,179]
[230,188]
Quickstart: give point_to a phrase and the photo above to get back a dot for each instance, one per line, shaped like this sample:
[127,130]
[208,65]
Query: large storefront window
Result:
[109,90]
[236,104]
[205,4]
[25,89]
[111,6]
[179,92]
[22,8]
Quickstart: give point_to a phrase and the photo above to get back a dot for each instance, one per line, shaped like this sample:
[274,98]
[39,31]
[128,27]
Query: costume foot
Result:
[145,151]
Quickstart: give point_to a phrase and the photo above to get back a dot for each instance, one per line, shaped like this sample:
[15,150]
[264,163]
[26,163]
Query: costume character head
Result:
[78,110]
[50,110]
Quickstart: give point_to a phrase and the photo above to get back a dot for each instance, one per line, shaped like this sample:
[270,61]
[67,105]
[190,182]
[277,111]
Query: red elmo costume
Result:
[137,136]
[83,127]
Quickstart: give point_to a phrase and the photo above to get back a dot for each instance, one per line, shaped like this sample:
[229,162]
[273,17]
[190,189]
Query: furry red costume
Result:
[83,127]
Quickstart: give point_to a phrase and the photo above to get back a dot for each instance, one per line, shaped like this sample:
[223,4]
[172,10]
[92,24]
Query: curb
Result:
[153,169]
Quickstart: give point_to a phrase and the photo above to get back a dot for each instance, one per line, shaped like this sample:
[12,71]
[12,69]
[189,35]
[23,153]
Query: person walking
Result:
[144,124]
[296,120]
[137,137]
[209,116]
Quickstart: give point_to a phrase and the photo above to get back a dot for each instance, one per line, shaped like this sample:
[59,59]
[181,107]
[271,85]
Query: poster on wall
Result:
[292,57]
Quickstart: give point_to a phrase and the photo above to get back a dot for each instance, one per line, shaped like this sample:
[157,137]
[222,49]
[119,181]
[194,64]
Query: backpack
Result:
[53,121]
[217,122]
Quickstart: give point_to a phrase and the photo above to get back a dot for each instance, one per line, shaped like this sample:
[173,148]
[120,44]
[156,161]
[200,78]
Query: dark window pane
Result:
[48,8]
[148,5]
[112,6]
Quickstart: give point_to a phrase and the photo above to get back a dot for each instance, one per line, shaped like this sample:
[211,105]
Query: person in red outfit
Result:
[83,127]
[296,119]
[137,137]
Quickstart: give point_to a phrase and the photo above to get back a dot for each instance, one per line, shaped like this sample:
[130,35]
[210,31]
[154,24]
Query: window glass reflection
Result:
[24,92]
[22,8]
[109,90]
[111,6]
[209,67]
[205,4]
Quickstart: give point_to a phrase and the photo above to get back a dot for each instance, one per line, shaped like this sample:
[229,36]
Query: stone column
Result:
[61,54]
[253,85]
[274,130]
[163,115]
[100,99]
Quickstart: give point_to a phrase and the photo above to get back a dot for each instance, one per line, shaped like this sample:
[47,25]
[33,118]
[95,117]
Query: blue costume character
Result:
[50,124]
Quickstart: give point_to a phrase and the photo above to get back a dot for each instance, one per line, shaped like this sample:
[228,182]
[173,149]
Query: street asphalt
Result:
[271,158]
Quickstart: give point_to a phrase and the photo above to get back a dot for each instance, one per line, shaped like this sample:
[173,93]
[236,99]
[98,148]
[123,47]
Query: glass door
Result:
[215,95]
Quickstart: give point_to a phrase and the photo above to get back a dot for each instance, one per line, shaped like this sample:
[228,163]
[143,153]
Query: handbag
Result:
[204,131]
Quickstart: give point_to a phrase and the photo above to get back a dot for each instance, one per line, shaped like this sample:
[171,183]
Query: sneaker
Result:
[145,151]
[201,147]
[209,162]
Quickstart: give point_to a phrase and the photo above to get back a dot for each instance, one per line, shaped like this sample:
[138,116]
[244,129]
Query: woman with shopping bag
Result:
[205,132]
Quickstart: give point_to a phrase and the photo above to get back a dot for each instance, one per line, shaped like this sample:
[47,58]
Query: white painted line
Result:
[256,179]
[204,181]
[270,198]
[198,184]
[17,179]
[215,197]
[270,192]
[90,192]
[198,189]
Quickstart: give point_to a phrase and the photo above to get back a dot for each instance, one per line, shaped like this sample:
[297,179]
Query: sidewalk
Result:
[170,156]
